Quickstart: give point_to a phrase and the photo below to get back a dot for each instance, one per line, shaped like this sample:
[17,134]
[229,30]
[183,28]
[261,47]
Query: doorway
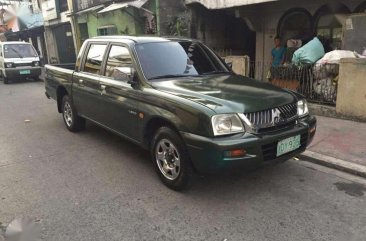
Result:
[65,43]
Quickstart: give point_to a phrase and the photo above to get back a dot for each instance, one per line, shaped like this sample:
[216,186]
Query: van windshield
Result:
[19,51]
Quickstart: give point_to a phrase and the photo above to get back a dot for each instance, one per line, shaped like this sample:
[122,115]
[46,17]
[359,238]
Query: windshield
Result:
[19,51]
[178,59]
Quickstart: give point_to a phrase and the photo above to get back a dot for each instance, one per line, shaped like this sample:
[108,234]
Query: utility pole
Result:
[74,25]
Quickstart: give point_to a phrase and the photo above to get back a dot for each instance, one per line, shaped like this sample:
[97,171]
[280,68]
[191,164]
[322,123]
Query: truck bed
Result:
[56,76]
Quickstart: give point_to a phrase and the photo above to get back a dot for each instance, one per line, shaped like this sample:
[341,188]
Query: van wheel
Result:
[73,122]
[171,159]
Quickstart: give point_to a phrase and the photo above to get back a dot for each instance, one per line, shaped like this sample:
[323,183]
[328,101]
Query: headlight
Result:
[226,124]
[302,108]
[8,65]
[36,63]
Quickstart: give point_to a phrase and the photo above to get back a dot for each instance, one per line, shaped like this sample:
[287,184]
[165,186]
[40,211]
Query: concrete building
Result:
[58,31]
[27,24]
[246,25]
[105,17]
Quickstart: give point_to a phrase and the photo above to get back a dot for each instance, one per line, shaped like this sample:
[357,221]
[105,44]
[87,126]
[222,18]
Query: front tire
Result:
[73,122]
[171,159]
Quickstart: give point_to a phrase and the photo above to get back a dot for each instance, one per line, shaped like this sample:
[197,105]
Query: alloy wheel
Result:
[68,114]
[168,159]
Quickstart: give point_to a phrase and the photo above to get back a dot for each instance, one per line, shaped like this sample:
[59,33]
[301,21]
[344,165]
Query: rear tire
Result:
[171,159]
[73,122]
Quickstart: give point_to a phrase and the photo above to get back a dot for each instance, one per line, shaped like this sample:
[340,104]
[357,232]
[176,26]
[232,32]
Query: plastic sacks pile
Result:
[326,66]
[326,72]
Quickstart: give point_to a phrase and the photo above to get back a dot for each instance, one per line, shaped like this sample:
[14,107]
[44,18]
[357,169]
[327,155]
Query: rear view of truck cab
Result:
[19,60]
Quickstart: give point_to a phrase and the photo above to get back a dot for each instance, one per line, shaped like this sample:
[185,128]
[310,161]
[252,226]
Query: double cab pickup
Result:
[178,99]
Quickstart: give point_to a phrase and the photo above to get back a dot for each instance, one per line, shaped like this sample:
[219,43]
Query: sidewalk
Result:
[340,144]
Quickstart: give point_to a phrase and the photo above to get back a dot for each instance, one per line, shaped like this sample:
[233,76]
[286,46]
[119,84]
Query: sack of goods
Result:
[309,53]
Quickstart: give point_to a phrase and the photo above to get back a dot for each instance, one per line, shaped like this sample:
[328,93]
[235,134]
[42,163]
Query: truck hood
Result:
[227,93]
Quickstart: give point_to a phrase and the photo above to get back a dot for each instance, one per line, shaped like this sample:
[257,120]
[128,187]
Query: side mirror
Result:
[126,74]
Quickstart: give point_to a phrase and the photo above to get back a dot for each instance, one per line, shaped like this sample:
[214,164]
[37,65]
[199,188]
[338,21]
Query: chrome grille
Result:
[288,111]
[23,64]
[272,117]
[260,118]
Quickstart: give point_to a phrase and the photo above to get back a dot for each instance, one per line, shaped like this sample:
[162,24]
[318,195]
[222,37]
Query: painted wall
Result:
[351,96]
[120,18]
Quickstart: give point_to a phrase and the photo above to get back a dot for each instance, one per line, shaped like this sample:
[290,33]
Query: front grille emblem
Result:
[278,117]
[275,117]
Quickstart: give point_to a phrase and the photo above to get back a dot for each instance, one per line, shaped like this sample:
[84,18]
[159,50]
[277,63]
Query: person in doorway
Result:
[278,53]
[278,58]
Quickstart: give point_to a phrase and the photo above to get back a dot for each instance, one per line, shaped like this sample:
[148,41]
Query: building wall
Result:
[222,30]
[51,47]
[265,18]
[53,18]
[119,18]
[351,96]
[167,12]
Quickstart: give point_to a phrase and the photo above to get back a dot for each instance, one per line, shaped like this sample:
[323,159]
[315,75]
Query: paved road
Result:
[97,186]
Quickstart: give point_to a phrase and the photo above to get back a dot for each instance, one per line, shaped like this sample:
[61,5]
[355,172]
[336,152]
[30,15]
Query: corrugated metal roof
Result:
[116,6]
[220,4]
[90,9]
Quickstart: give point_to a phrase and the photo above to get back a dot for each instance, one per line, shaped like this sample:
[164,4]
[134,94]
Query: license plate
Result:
[288,145]
[24,71]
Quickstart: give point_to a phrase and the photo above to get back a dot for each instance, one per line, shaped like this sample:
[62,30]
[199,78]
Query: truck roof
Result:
[141,39]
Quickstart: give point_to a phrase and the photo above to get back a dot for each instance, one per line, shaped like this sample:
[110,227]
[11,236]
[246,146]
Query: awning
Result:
[92,9]
[116,6]
[220,4]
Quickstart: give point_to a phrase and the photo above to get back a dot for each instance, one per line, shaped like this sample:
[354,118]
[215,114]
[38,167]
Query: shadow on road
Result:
[225,182]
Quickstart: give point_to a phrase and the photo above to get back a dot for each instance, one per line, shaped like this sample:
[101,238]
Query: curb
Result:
[330,111]
[334,163]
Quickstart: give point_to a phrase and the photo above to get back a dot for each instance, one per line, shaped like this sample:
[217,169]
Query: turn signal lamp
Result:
[235,153]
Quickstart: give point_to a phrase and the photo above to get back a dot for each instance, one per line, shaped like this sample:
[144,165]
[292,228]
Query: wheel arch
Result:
[152,126]
[60,93]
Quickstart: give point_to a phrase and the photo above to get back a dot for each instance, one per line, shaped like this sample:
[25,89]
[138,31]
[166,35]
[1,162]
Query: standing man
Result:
[278,53]
[278,58]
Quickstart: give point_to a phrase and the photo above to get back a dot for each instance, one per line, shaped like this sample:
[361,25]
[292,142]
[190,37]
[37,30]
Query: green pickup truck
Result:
[179,100]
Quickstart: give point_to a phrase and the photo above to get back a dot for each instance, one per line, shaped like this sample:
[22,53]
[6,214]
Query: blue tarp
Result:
[28,19]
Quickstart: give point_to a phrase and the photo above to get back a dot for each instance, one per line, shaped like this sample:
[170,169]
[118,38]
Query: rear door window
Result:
[119,62]
[94,59]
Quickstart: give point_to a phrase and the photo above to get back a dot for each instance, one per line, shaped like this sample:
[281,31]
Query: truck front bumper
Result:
[207,154]
[22,72]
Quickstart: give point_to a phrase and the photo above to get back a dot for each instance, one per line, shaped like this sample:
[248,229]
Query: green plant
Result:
[178,25]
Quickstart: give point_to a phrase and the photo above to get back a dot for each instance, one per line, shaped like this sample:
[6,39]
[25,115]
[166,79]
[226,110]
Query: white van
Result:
[18,60]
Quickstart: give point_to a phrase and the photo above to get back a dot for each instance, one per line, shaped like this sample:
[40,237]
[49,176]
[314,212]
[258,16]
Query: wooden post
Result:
[74,26]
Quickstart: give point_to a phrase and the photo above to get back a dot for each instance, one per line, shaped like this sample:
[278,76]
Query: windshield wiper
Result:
[216,72]
[15,51]
[172,76]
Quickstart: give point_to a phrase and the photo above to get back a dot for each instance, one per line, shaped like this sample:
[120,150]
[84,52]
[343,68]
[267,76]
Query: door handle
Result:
[81,81]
